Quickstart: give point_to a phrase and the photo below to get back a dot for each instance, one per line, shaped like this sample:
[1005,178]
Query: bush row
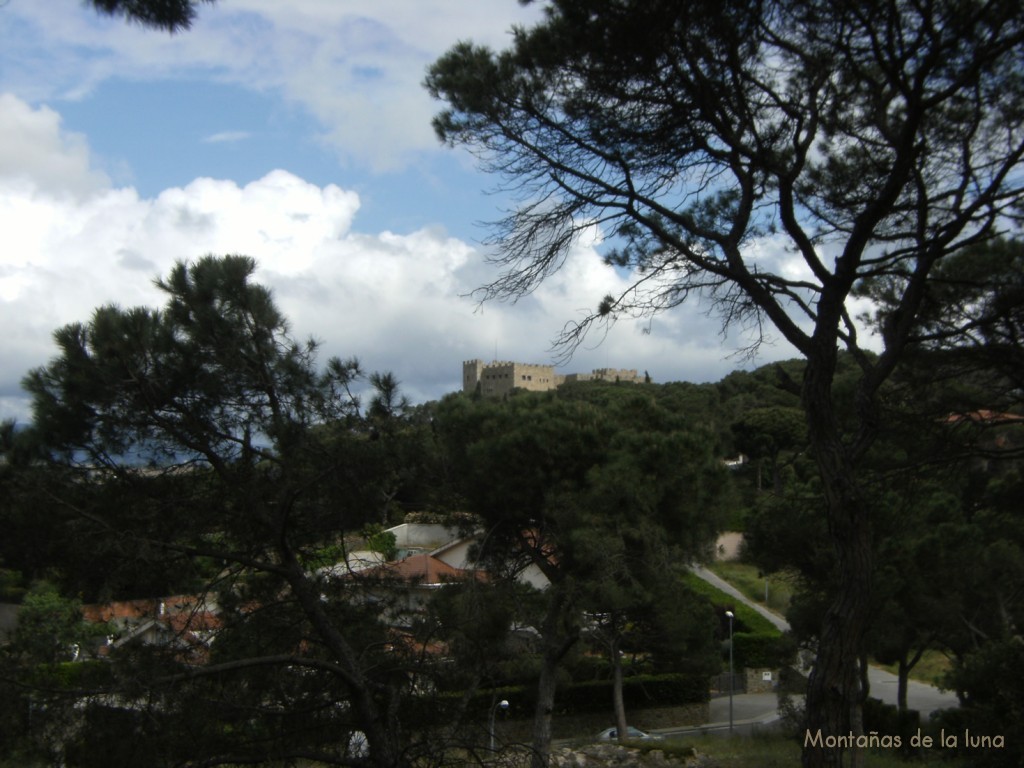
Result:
[596,696]
[757,650]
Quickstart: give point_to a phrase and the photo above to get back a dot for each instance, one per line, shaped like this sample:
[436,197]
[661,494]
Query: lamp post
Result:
[503,704]
[730,616]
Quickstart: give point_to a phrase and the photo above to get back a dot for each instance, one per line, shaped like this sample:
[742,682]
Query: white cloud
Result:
[72,242]
[227,137]
[36,155]
[357,66]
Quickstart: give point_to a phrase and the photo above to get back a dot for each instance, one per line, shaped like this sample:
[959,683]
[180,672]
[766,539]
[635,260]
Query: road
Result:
[751,712]
[755,711]
[729,589]
[920,696]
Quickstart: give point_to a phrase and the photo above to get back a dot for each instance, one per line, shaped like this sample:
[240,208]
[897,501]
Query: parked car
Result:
[632,734]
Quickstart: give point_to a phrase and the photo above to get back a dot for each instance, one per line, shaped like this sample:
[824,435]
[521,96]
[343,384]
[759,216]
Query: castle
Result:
[501,377]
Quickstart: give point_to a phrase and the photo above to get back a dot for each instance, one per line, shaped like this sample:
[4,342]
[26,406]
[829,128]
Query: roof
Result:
[423,569]
[148,608]
[121,609]
[985,416]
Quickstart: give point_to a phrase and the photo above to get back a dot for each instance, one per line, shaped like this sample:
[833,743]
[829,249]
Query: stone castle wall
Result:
[606,374]
[498,378]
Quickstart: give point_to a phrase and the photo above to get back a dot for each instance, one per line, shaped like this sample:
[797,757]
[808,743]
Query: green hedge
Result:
[757,650]
[579,698]
[747,619]
[637,692]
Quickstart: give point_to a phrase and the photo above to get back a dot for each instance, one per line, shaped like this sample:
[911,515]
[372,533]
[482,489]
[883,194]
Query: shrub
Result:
[757,650]
[637,692]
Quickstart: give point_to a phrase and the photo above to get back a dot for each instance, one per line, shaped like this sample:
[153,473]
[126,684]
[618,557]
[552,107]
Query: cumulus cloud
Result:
[37,155]
[398,300]
[357,66]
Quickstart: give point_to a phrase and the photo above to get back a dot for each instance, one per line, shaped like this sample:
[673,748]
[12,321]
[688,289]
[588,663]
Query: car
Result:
[632,734]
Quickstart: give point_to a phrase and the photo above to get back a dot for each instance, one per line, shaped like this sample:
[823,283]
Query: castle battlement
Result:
[500,377]
[491,364]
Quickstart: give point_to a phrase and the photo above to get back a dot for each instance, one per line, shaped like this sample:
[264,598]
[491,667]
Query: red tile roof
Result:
[985,416]
[122,609]
[423,569]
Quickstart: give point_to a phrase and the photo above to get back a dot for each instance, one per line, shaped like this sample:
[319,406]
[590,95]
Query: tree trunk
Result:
[541,746]
[903,675]
[858,755]
[833,691]
[558,639]
[865,680]
[378,724]
[617,701]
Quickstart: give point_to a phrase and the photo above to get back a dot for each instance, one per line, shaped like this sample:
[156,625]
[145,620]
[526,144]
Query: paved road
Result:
[751,712]
[729,589]
[920,696]
[756,711]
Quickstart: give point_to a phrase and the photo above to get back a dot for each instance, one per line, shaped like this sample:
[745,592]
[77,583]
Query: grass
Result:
[930,669]
[748,580]
[750,619]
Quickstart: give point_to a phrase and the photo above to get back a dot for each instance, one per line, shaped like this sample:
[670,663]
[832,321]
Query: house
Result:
[410,539]
[431,556]
[407,585]
[997,434]
[453,546]
[187,623]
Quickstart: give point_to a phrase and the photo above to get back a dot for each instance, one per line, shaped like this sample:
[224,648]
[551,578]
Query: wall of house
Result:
[457,555]
[535,577]
[360,560]
[427,536]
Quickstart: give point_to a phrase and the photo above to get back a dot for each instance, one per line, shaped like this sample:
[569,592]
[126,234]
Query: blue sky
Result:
[298,133]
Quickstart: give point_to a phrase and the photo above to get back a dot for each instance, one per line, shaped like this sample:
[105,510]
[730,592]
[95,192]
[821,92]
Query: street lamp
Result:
[503,704]
[730,616]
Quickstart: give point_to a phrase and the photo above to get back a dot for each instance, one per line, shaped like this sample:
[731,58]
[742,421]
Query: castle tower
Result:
[472,372]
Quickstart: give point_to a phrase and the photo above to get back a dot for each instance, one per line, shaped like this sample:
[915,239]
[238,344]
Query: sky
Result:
[299,134]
